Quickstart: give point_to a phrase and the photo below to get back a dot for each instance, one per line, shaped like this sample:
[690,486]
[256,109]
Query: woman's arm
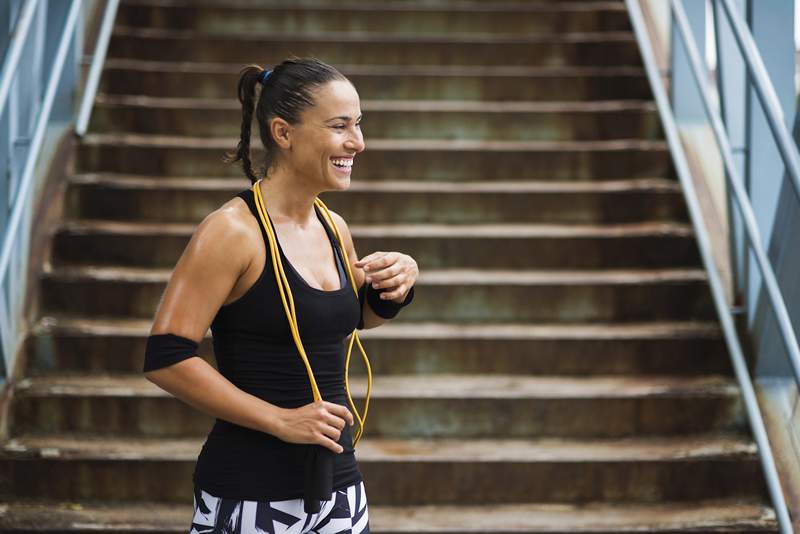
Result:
[393,271]
[216,256]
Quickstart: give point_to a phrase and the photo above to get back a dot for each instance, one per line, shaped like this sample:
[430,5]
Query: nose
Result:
[355,141]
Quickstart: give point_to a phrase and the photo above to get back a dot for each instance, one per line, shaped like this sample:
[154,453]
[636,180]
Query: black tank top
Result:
[254,349]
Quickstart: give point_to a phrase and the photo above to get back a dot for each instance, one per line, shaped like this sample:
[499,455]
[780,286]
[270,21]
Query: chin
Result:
[340,184]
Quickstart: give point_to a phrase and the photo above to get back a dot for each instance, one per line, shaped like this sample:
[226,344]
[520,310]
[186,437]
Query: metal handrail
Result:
[734,181]
[7,337]
[98,58]
[20,35]
[766,94]
[704,243]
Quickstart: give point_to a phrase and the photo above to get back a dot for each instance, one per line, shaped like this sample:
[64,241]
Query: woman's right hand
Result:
[319,422]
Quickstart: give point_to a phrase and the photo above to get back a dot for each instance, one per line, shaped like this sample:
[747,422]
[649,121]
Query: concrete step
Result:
[573,49]
[71,345]
[459,295]
[437,246]
[393,159]
[399,119]
[190,79]
[188,200]
[392,17]
[720,515]
[407,406]
[401,472]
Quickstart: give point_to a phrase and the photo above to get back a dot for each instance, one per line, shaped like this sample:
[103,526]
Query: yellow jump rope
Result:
[288,306]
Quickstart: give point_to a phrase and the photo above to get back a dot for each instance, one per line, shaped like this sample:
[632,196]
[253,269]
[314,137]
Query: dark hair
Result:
[286,92]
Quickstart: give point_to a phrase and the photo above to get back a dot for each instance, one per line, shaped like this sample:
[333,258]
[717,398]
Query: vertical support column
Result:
[772,26]
[732,84]
[686,101]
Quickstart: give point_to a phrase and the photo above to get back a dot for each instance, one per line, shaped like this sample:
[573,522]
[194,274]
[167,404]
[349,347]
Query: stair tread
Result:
[693,447]
[532,6]
[429,386]
[427,106]
[189,142]
[429,277]
[467,230]
[193,183]
[389,70]
[533,517]
[430,330]
[372,38]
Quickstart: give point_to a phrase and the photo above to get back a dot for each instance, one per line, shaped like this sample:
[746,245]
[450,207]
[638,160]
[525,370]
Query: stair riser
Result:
[679,356]
[452,303]
[373,18]
[520,126]
[410,482]
[89,201]
[400,85]
[666,414]
[272,49]
[557,163]
[433,253]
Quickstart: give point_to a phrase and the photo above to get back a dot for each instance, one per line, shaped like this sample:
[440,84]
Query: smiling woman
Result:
[276,277]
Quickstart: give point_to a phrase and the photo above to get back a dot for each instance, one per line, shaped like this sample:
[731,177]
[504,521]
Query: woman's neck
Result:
[285,198]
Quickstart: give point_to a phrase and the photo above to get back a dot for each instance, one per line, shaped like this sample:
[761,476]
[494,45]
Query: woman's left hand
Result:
[393,271]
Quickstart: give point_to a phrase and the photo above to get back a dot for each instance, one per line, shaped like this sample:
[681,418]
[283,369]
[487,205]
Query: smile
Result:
[342,163]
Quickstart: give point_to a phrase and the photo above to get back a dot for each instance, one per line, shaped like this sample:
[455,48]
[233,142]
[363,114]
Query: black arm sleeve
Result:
[163,350]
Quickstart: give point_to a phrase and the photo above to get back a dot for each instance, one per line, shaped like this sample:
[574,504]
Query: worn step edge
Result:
[372,38]
[92,326]
[441,231]
[159,183]
[627,450]
[429,386]
[726,515]
[533,6]
[429,145]
[410,106]
[478,277]
[437,71]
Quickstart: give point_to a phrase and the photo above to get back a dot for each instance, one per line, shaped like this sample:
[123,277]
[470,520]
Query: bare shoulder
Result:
[229,232]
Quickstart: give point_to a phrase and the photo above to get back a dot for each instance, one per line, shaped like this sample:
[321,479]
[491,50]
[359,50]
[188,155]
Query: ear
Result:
[281,132]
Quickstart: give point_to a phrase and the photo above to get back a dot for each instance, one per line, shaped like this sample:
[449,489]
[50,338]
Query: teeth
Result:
[343,162]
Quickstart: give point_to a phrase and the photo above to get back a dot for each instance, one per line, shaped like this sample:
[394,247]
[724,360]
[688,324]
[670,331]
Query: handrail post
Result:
[732,83]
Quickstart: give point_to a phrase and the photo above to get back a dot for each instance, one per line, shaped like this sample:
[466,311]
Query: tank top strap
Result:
[249,198]
[337,251]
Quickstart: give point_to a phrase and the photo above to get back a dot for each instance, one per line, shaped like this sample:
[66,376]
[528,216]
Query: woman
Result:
[252,474]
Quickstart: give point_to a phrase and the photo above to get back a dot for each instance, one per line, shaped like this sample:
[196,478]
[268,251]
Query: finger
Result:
[386,272]
[391,282]
[341,411]
[382,261]
[394,294]
[325,441]
[369,257]
[335,421]
[331,431]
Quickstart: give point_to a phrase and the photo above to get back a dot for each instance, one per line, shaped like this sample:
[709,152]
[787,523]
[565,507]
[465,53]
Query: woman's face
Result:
[327,138]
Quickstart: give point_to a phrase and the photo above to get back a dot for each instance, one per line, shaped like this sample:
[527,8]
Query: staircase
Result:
[561,369]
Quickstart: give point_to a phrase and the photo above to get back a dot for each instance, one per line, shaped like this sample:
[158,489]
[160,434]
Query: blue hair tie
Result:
[262,78]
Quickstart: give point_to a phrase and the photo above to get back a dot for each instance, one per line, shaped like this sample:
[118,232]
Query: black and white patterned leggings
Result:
[345,513]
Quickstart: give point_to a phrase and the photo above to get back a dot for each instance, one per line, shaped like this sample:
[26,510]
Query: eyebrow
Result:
[343,117]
